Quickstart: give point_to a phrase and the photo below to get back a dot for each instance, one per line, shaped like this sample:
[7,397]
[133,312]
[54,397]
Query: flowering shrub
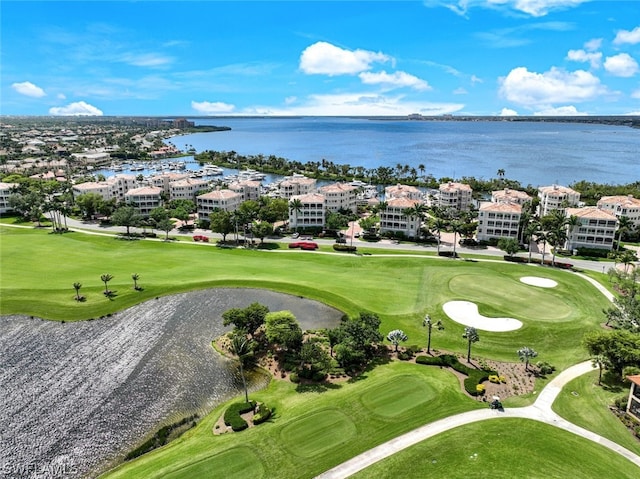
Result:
[480,388]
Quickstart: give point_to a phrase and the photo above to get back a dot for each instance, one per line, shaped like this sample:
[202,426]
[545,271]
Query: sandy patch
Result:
[540,282]
[466,312]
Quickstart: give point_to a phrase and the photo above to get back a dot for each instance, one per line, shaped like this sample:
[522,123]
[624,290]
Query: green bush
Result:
[293,377]
[344,247]
[474,376]
[319,376]
[545,368]
[232,415]
[262,414]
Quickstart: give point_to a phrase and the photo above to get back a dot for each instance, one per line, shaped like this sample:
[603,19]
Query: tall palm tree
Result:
[529,233]
[241,347]
[556,238]
[438,225]
[472,336]
[624,224]
[295,207]
[542,236]
[429,324]
[105,279]
[417,211]
[572,222]
[456,227]
[422,168]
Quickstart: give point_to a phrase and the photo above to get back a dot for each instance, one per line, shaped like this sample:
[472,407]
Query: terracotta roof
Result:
[557,189]
[337,187]
[402,203]
[507,193]
[590,212]
[619,200]
[310,198]
[453,186]
[501,207]
[145,190]
[635,379]
[220,195]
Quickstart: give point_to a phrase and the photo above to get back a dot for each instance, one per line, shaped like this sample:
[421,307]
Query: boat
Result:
[212,170]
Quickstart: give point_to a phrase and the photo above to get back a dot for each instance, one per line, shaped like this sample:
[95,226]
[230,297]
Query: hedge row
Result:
[262,414]
[344,247]
[232,415]
[474,376]
[547,262]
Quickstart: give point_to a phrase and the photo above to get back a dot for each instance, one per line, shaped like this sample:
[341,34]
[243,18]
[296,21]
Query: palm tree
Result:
[416,211]
[135,277]
[396,337]
[421,167]
[529,233]
[572,222]
[627,257]
[295,207]
[429,324]
[526,354]
[241,347]
[438,225]
[105,279]
[624,224]
[501,173]
[472,336]
[77,287]
[557,237]
[456,228]
[542,236]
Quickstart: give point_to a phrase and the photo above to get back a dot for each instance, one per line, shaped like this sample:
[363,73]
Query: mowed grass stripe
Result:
[318,432]
[236,463]
[398,396]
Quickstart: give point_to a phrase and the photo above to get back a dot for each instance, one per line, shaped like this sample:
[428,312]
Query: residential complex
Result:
[340,196]
[453,195]
[508,195]
[622,206]
[596,229]
[225,200]
[498,220]
[393,218]
[6,190]
[556,197]
[144,199]
[311,213]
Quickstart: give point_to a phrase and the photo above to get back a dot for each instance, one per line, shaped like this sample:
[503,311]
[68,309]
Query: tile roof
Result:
[506,207]
[590,212]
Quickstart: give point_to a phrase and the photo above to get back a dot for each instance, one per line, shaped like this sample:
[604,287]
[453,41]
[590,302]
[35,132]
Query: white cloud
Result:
[508,112]
[147,60]
[393,80]
[535,8]
[555,86]
[460,91]
[355,104]
[78,108]
[593,45]
[560,111]
[621,65]
[594,58]
[212,108]
[61,96]
[636,94]
[327,59]
[27,88]
[626,36]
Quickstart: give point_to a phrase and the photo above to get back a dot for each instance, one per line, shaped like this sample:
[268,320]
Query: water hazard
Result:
[77,396]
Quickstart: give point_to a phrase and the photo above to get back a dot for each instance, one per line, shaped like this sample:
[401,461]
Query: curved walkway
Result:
[539,411]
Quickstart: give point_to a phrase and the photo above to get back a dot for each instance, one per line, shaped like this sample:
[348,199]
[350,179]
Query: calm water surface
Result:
[535,153]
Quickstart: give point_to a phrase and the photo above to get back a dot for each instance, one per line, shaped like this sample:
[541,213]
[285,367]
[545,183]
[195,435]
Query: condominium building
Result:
[164,180]
[508,195]
[225,200]
[393,218]
[454,195]
[498,220]
[249,189]
[144,199]
[297,185]
[6,190]
[114,187]
[597,228]
[402,191]
[556,197]
[622,206]
[186,189]
[340,196]
[311,212]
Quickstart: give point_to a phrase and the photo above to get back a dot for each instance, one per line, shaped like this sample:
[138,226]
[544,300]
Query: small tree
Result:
[526,354]
[77,287]
[509,246]
[472,336]
[599,361]
[282,328]
[396,337]
[135,277]
[105,279]
[241,347]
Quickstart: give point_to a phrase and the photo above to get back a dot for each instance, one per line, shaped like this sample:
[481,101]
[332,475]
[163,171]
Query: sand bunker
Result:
[466,312]
[540,282]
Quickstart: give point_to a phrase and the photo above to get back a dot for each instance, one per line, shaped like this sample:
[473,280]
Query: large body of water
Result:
[533,153]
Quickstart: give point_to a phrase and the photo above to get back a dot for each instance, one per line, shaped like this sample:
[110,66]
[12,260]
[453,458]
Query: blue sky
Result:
[434,57]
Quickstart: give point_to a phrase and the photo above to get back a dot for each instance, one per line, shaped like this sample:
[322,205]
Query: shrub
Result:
[448,254]
[545,368]
[474,376]
[480,389]
[344,247]
[405,355]
[494,379]
[232,415]
[262,414]
[293,377]
[319,376]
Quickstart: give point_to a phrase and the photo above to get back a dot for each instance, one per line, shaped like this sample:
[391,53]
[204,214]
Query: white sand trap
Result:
[466,312]
[541,282]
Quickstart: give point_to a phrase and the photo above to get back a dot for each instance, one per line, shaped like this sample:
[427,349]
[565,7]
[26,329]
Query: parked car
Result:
[204,239]
[295,235]
[306,245]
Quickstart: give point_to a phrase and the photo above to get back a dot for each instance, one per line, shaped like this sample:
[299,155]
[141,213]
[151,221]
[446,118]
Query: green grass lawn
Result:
[312,431]
[504,448]
[39,269]
[586,404]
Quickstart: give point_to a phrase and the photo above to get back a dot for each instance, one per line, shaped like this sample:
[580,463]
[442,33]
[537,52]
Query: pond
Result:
[77,396]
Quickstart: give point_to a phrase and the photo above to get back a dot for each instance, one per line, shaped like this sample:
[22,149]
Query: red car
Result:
[306,245]
[204,239]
